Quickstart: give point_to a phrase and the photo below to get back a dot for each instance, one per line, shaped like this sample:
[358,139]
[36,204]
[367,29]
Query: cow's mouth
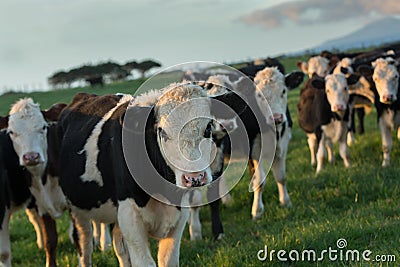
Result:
[194,179]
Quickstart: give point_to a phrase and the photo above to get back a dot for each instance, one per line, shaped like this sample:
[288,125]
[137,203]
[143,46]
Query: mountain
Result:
[376,33]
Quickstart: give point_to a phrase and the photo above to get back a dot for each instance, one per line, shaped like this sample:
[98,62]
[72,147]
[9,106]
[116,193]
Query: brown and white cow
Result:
[323,113]
[25,145]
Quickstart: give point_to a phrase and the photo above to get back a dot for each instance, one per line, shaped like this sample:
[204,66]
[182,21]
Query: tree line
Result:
[100,73]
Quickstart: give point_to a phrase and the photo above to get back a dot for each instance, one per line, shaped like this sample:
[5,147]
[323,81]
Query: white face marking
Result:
[318,65]
[28,132]
[184,129]
[386,78]
[344,63]
[337,92]
[271,89]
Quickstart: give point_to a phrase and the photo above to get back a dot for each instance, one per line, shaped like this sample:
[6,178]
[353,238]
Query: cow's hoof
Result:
[195,236]
[259,212]
[219,237]
[286,204]
[385,164]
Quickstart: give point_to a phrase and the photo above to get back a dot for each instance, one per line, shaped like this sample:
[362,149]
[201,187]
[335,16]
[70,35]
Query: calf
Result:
[323,114]
[25,144]
[387,101]
[261,124]
[104,141]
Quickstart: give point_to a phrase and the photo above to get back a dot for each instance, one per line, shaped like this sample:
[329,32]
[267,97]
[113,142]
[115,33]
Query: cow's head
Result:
[344,66]
[386,79]
[315,65]
[271,89]
[336,89]
[182,120]
[27,127]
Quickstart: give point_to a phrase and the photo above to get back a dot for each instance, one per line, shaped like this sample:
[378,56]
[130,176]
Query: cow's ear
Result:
[353,79]
[232,99]
[4,122]
[139,119]
[364,70]
[318,82]
[53,112]
[294,79]
[303,66]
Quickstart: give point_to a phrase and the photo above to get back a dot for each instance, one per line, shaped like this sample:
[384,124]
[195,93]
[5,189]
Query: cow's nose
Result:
[31,158]
[277,118]
[339,107]
[387,98]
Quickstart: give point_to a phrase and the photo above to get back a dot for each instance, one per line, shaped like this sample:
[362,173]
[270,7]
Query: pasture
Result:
[360,204]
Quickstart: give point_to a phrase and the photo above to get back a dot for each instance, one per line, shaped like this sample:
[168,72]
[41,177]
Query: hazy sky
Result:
[39,37]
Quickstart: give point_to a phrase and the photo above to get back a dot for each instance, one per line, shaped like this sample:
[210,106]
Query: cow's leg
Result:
[34,218]
[105,237]
[329,148]
[321,154]
[360,115]
[96,232]
[257,184]
[223,189]
[5,246]
[216,224]
[312,144]
[135,234]
[196,199]
[351,126]
[279,171]
[344,151]
[83,239]
[386,142]
[50,239]
[194,224]
[168,248]
[119,247]
[398,133]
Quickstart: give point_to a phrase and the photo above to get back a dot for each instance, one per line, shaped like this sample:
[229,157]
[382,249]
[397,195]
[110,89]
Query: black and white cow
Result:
[25,185]
[323,114]
[384,81]
[387,102]
[271,86]
[96,179]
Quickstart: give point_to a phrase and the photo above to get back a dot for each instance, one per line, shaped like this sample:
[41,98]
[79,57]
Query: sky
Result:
[40,37]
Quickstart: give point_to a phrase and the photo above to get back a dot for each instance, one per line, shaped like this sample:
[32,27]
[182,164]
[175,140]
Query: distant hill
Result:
[373,34]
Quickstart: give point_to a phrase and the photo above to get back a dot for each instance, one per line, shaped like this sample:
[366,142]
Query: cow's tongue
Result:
[194,179]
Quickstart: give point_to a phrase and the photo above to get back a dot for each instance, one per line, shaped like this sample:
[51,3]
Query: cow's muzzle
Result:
[31,159]
[194,179]
[277,118]
[388,99]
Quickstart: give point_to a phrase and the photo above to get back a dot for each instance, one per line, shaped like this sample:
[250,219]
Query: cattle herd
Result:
[73,157]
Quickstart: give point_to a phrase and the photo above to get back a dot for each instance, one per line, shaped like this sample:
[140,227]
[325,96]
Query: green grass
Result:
[360,204]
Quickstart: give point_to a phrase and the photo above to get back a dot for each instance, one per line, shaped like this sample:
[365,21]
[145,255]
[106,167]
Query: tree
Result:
[146,65]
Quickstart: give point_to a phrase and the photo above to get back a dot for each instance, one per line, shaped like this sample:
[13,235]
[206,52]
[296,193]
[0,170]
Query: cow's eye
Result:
[284,92]
[44,128]
[10,132]
[163,134]
[208,130]
[345,88]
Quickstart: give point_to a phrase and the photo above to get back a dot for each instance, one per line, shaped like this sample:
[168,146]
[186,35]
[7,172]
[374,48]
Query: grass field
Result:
[360,204]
